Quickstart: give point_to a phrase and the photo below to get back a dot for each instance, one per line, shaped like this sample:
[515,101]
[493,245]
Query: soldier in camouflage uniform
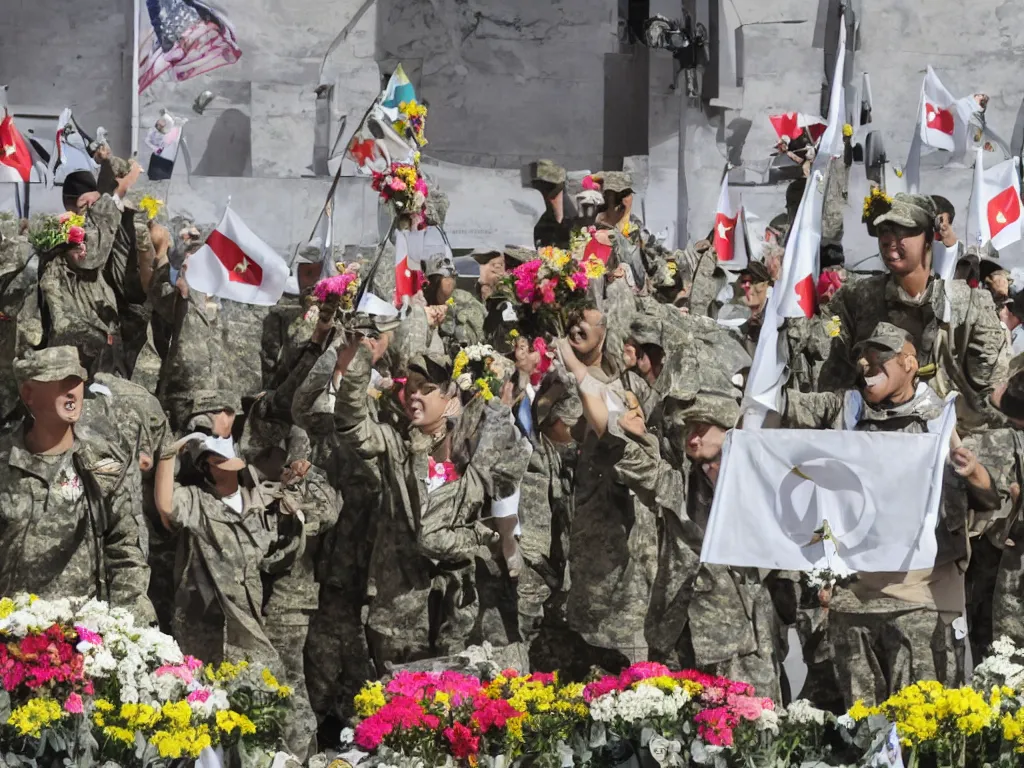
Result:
[554,226]
[890,631]
[79,305]
[463,322]
[69,524]
[15,253]
[956,332]
[289,324]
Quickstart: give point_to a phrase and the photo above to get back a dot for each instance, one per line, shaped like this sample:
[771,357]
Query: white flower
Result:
[768,720]
[217,702]
[636,706]
[801,711]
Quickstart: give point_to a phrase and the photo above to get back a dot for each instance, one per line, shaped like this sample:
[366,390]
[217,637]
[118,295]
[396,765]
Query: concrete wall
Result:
[509,82]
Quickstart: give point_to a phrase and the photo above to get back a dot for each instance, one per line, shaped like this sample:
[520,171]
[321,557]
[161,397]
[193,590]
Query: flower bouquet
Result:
[338,292]
[412,121]
[82,684]
[479,367]
[51,231]
[584,244]
[402,188]
[552,288]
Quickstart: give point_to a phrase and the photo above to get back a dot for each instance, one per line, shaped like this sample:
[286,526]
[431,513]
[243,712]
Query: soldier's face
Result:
[754,293]
[492,271]
[425,402]
[704,441]
[527,359]
[223,423]
[588,334]
[307,275]
[902,250]
[886,374]
[53,402]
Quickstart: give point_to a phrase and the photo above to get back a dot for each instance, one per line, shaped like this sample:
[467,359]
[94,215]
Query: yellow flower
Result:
[6,607]
[485,389]
[451,302]
[673,268]
[73,220]
[514,729]
[594,268]
[151,206]
[834,326]
[226,671]
[858,711]
[271,682]
[116,733]
[139,716]
[370,699]
[847,130]
[103,705]
[229,720]
[461,361]
[179,713]
[30,718]
[626,229]
[513,334]
[442,698]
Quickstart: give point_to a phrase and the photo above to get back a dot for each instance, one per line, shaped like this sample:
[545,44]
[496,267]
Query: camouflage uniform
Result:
[965,350]
[126,414]
[69,524]
[15,253]
[463,324]
[286,328]
[890,630]
[612,551]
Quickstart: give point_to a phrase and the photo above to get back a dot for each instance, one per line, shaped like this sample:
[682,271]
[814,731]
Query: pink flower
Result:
[547,292]
[715,726]
[444,471]
[64,217]
[544,678]
[333,286]
[421,186]
[199,695]
[493,713]
[76,235]
[88,636]
[599,688]
[641,671]
[462,741]
[396,184]
[180,671]
[746,707]
[580,280]
[590,184]
[73,704]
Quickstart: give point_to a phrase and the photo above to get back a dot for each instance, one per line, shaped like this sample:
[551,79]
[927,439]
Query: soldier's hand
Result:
[485,536]
[295,471]
[964,461]
[160,237]
[436,315]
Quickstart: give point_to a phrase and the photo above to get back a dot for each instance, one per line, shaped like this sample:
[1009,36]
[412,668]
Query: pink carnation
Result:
[715,726]
[547,292]
[333,286]
[76,235]
[421,186]
[580,280]
[200,695]
[746,707]
[396,184]
[73,704]
[544,678]
[641,671]
[88,636]
[493,713]
[599,688]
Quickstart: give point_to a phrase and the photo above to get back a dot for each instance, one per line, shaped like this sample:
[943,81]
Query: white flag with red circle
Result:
[938,113]
[235,264]
[996,212]
[728,235]
[792,124]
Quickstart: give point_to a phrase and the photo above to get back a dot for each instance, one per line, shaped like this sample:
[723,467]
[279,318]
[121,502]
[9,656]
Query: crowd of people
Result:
[330,491]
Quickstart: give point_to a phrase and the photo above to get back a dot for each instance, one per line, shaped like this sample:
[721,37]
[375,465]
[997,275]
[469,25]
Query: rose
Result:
[76,235]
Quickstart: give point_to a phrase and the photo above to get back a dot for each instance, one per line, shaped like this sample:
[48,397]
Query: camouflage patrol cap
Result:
[51,364]
[549,171]
[519,254]
[215,401]
[437,207]
[886,336]
[758,272]
[911,211]
[615,181]
[711,408]
[436,367]
[485,254]
[440,264]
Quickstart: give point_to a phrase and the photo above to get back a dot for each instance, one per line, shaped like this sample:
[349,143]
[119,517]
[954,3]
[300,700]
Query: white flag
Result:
[70,150]
[796,285]
[235,264]
[995,210]
[938,113]
[778,487]
[832,141]
[728,233]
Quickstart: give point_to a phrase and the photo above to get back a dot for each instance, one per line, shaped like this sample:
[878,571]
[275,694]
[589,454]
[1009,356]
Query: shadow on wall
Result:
[229,149]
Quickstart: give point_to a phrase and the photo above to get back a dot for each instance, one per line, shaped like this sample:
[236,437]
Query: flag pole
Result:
[137,19]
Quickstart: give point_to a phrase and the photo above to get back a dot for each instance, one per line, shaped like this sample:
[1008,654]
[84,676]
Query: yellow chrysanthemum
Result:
[30,718]
[370,699]
[461,361]
[119,734]
[847,130]
[485,390]
[513,334]
[858,711]
[6,607]
[834,326]
[179,713]
[594,268]
[229,720]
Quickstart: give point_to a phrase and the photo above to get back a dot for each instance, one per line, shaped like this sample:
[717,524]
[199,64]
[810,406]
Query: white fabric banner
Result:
[778,487]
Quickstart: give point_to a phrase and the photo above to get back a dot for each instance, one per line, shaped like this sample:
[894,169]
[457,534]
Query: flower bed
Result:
[82,684]
[650,715]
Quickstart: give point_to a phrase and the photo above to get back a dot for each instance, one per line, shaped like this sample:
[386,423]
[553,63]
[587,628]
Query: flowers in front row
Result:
[52,231]
[68,666]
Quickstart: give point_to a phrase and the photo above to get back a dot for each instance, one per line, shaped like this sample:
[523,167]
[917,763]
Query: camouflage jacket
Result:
[968,352]
[286,328]
[81,310]
[421,536]
[219,564]
[122,268]
[849,410]
[69,525]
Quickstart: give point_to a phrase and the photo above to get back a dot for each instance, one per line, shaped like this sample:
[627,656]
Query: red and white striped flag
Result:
[235,264]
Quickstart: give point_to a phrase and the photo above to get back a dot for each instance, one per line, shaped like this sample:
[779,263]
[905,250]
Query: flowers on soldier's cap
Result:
[876,204]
